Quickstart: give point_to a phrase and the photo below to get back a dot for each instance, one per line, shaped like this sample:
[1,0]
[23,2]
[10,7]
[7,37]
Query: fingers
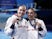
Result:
[38,24]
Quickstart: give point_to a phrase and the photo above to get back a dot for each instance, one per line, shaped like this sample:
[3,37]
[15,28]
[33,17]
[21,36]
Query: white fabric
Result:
[43,32]
[20,31]
[32,33]
[23,30]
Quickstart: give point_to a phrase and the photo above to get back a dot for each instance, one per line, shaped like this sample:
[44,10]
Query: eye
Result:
[20,9]
[24,10]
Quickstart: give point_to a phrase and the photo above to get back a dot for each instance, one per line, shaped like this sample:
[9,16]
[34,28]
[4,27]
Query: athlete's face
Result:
[21,10]
[31,14]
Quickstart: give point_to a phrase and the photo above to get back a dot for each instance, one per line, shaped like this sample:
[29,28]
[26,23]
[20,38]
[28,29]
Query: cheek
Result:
[23,13]
[31,14]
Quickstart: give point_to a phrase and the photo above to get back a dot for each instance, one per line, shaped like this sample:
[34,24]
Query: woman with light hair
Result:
[37,28]
[15,25]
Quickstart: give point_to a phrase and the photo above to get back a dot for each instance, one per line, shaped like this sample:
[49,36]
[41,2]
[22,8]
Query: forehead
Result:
[30,10]
[22,7]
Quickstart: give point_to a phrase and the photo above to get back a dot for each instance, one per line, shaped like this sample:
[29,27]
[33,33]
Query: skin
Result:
[31,14]
[20,12]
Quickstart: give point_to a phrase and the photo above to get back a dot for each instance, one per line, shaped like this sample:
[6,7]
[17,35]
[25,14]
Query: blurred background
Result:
[42,7]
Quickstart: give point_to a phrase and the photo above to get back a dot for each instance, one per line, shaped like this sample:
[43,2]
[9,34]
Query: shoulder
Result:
[39,20]
[12,18]
[24,19]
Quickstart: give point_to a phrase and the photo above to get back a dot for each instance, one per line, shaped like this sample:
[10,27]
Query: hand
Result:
[38,25]
[14,21]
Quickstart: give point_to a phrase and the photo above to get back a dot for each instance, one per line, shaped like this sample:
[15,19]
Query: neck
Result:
[19,16]
[31,19]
